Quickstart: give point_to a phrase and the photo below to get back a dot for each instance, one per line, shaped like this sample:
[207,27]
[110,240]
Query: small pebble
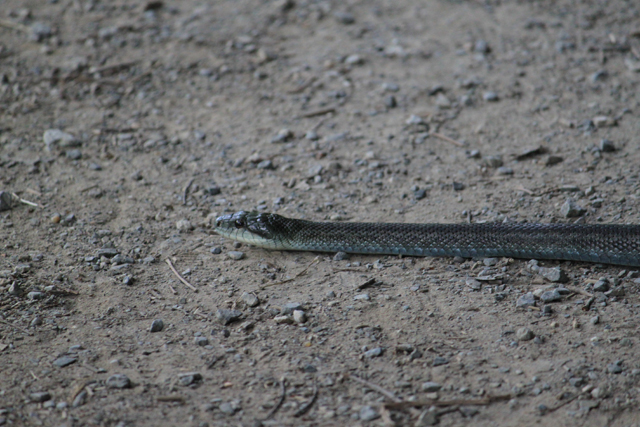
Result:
[201,341]
[299,316]
[157,325]
[345,18]
[526,300]
[283,135]
[607,146]
[283,320]
[235,255]
[80,399]
[35,295]
[189,378]
[228,316]
[431,386]
[374,352]
[250,299]
[368,413]
[437,361]
[216,250]
[490,97]
[340,256]
[555,274]
[64,361]
[74,154]
[184,225]
[290,307]
[524,334]
[614,368]
[572,210]
[40,396]
[362,297]
[118,381]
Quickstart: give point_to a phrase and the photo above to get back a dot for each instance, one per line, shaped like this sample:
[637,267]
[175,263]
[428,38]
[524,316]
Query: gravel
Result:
[118,381]
[157,325]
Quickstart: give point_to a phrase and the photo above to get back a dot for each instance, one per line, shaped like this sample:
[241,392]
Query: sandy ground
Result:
[132,125]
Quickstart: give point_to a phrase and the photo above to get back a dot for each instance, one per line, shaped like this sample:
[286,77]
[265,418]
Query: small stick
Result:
[377,388]
[186,192]
[13,25]
[17,327]
[170,399]
[446,138]
[187,284]
[304,408]
[579,291]
[319,112]
[455,402]
[283,394]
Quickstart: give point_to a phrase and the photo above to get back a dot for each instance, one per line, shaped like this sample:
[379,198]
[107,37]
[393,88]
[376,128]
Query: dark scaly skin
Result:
[602,243]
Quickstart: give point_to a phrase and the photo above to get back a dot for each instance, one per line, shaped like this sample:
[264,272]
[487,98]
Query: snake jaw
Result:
[246,227]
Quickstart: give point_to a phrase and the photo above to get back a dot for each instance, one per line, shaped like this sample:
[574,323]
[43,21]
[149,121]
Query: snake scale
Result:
[601,243]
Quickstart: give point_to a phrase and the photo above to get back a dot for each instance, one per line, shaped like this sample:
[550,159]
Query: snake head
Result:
[246,227]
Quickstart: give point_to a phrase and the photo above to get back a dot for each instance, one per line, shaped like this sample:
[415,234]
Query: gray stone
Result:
[40,396]
[616,292]
[35,295]
[59,138]
[80,399]
[345,18]
[490,96]
[551,296]
[555,274]
[576,381]
[63,361]
[228,316]
[107,252]
[526,300]
[571,209]
[607,146]
[189,378]
[340,256]
[290,307]
[595,320]
[427,418]
[73,154]
[614,368]
[601,286]
[368,413]
[250,299]
[525,334]
[201,341]
[437,361]
[299,316]
[431,386]
[374,352]
[362,297]
[235,255]
[229,408]
[283,135]
[490,262]
[118,381]
[157,325]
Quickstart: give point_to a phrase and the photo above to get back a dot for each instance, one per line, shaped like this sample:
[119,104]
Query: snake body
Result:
[601,243]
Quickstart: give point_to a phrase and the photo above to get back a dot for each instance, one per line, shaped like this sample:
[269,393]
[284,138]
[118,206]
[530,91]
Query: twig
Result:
[14,25]
[564,403]
[111,69]
[446,138]
[187,284]
[185,196]
[17,327]
[172,289]
[304,408]
[179,399]
[377,388]
[443,403]
[315,261]
[283,394]
[579,291]
[319,112]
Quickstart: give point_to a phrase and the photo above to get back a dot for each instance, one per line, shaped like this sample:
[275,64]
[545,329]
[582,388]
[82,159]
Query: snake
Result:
[617,244]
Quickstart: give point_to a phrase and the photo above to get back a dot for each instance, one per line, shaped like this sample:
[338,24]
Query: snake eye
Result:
[239,223]
[218,223]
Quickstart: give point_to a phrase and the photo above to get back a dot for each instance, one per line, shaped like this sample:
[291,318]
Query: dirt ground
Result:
[132,125]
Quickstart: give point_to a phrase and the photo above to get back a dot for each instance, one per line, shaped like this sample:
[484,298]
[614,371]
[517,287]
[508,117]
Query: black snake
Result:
[601,243]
